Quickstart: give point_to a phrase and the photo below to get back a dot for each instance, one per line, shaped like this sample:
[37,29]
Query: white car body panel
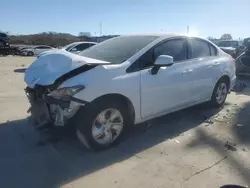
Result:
[175,83]
[51,70]
[172,88]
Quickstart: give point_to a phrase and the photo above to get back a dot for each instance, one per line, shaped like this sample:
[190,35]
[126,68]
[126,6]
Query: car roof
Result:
[228,41]
[164,35]
[82,42]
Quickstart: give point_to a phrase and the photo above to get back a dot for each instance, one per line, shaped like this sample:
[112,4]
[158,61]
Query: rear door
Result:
[205,63]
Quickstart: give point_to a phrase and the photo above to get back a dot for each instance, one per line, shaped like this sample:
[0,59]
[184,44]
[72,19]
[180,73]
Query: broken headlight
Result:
[65,92]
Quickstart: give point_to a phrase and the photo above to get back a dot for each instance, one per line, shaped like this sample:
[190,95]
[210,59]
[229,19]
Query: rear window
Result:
[118,49]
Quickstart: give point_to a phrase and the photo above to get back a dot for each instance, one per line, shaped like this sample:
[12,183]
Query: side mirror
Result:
[162,61]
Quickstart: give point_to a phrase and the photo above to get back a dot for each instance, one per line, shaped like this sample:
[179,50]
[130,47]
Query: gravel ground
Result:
[196,147]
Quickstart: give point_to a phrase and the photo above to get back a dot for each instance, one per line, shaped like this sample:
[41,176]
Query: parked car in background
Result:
[243,62]
[229,46]
[31,51]
[77,47]
[126,80]
[246,41]
[4,40]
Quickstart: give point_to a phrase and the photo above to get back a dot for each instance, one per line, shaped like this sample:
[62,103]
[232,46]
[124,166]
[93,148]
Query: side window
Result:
[46,47]
[43,47]
[82,47]
[200,48]
[90,44]
[176,48]
[213,50]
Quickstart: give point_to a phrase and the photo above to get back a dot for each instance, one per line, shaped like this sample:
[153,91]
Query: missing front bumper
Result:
[45,109]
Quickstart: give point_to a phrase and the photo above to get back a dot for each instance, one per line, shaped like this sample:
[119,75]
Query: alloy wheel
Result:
[107,126]
[221,93]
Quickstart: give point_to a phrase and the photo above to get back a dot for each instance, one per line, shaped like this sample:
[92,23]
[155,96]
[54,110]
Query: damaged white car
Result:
[126,80]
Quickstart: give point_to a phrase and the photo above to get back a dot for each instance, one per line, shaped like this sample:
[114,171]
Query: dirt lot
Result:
[196,147]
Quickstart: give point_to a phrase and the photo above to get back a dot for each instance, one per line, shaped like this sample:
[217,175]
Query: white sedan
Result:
[126,80]
[75,47]
[36,50]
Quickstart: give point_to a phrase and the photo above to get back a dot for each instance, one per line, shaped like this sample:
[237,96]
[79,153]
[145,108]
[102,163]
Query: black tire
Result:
[213,101]
[30,53]
[85,117]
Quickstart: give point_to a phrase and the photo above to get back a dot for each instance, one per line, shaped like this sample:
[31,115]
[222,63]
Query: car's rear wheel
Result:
[30,53]
[102,124]
[220,93]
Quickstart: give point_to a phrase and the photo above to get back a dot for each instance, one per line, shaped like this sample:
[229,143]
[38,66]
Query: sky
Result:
[204,17]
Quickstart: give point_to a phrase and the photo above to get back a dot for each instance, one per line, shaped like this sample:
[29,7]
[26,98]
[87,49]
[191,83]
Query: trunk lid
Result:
[52,65]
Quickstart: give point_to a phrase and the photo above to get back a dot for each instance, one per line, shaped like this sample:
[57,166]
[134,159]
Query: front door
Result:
[170,87]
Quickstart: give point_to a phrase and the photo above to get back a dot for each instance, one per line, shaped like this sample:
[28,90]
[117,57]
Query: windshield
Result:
[118,49]
[233,44]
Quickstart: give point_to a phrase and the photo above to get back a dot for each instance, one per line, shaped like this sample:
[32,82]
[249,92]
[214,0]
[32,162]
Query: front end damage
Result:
[46,109]
[51,101]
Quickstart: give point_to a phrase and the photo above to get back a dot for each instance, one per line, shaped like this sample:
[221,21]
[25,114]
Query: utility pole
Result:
[187,29]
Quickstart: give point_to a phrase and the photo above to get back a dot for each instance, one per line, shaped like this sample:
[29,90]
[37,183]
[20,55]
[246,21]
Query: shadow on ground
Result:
[203,138]
[50,159]
[242,85]
[241,127]
[22,70]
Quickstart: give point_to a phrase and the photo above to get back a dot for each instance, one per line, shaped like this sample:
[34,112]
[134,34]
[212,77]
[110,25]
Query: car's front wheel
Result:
[220,93]
[102,124]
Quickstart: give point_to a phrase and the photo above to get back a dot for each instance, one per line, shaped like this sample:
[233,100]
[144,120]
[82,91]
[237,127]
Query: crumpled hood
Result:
[52,65]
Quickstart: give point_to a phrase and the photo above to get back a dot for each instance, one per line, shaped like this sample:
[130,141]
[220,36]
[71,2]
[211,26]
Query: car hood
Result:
[52,65]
